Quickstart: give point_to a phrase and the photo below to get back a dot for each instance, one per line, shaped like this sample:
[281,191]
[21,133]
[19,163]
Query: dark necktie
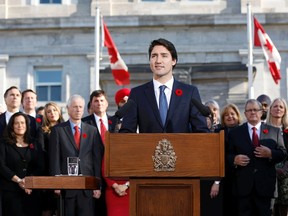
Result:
[77,136]
[102,130]
[163,105]
[255,138]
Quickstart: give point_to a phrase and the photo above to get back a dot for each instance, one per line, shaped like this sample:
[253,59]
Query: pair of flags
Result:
[272,56]
[261,39]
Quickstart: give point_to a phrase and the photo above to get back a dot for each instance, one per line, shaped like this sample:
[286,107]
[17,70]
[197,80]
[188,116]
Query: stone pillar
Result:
[3,65]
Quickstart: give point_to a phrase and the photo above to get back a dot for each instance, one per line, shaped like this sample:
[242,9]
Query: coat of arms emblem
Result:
[164,158]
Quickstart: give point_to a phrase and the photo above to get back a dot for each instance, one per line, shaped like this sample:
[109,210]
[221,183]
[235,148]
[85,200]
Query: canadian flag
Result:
[118,66]
[271,54]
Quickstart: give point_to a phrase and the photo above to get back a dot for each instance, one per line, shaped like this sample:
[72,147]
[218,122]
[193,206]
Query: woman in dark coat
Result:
[52,116]
[19,157]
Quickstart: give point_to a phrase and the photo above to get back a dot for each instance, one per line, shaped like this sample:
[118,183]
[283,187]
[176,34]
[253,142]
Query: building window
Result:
[48,85]
[50,1]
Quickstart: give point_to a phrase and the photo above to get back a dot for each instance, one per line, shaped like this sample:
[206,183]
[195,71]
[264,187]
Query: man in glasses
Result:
[254,148]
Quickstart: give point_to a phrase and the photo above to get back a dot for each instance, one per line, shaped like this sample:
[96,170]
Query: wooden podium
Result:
[62,182]
[164,169]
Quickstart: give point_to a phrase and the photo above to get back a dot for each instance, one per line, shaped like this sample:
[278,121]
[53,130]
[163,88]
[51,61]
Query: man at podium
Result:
[163,105]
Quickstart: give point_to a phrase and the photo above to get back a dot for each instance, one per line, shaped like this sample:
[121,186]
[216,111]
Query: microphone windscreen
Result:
[204,110]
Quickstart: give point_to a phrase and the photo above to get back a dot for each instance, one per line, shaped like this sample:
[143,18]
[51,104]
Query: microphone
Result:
[204,110]
[124,109]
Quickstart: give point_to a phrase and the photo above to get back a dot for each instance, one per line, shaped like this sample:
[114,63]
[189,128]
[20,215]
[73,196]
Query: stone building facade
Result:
[49,47]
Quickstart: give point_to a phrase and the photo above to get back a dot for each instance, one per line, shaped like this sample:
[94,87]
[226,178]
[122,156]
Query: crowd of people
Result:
[37,141]
[255,181]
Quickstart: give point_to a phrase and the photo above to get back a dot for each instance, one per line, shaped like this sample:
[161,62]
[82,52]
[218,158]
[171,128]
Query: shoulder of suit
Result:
[88,118]
[62,124]
[89,129]
[143,86]
[243,126]
[264,125]
[87,126]
[179,84]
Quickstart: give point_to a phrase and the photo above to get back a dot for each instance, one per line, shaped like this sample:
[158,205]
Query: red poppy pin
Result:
[178,92]
[109,121]
[31,146]
[38,120]
[84,135]
[265,131]
[285,130]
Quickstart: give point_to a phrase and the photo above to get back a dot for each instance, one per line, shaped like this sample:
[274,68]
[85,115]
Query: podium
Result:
[164,169]
[62,182]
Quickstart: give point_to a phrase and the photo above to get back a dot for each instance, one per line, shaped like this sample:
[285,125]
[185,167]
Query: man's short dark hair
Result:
[12,87]
[97,93]
[26,91]
[167,44]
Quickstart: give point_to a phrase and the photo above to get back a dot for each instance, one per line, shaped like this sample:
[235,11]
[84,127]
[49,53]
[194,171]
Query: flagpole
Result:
[250,52]
[97,49]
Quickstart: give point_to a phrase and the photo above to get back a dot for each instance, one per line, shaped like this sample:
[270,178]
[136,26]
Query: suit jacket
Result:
[12,163]
[182,116]
[260,173]
[33,126]
[62,145]
[112,121]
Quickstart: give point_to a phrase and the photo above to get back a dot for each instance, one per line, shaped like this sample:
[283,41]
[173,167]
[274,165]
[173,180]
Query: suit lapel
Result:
[263,131]
[3,120]
[112,121]
[150,94]
[83,136]
[246,135]
[68,130]
[174,100]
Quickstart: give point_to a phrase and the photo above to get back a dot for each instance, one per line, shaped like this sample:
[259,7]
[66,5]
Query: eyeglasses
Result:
[253,110]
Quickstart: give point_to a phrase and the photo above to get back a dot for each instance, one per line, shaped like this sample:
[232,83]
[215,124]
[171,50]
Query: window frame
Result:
[49,85]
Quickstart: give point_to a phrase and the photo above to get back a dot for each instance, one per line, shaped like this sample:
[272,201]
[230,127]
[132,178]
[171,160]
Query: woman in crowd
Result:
[19,157]
[230,118]
[52,116]
[277,117]
[210,188]
[214,122]
[117,191]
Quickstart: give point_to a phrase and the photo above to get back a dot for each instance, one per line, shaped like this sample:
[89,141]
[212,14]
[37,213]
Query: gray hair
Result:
[74,97]
[253,101]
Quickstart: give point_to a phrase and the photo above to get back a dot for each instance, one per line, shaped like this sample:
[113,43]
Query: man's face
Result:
[29,101]
[161,62]
[265,108]
[76,109]
[13,99]
[99,105]
[253,113]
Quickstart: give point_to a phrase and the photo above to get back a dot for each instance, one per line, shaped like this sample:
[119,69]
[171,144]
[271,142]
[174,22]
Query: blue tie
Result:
[163,105]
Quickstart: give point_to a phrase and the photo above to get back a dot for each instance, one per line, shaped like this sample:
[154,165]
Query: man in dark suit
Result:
[253,150]
[99,104]
[63,145]
[29,102]
[12,97]
[182,116]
